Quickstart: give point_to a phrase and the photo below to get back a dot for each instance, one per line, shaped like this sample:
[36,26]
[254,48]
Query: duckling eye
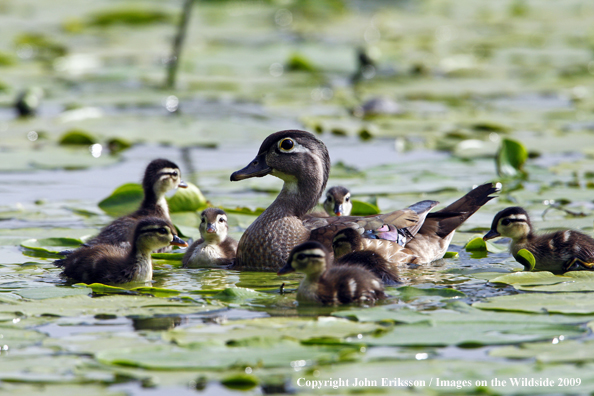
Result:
[301,257]
[286,144]
[329,198]
[221,220]
[162,231]
[347,199]
[174,174]
[505,222]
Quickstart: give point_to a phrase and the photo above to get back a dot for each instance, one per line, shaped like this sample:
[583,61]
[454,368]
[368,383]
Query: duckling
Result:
[331,285]
[349,249]
[558,251]
[161,175]
[215,248]
[111,264]
[302,162]
[338,201]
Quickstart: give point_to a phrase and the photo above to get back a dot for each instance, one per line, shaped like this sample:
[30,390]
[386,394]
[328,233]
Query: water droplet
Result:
[276,70]
[96,150]
[32,136]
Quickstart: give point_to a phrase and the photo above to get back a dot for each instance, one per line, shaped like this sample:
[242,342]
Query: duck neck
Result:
[141,257]
[153,200]
[299,196]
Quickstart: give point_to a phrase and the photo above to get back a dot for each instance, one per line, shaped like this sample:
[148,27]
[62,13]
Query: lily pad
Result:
[187,199]
[123,200]
[361,208]
[41,293]
[410,292]
[511,158]
[575,281]
[526,258]
[171,357]
[477,244]
[561,351]
[51,247]
[168,256]
[77,137]
[565,303]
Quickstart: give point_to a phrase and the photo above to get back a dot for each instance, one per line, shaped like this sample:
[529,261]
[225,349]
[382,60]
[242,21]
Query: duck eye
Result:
[174,174]
[162,231]
[222,220]
[505,222]
[347,199]
[301,257]
[286,144]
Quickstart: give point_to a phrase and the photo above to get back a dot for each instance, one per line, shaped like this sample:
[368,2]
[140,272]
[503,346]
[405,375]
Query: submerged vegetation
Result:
[464,93]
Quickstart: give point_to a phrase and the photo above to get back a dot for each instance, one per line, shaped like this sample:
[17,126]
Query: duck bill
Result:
[490,235]
[177,241]
[182,184]
[287,269]
[338,210]
[211,228]
[256,168]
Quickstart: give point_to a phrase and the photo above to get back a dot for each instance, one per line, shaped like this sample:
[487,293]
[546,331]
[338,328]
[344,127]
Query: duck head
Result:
[153,233]
[213,225]
[161,175]
[511,222]
[299,159]
[310,258]
[346,241]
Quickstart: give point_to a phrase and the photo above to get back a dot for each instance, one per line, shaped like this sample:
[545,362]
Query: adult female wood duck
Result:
[330,285]
[215,248]
[338,201]
[349,249]
[558,251]
[161,175]
[111,264]
[303,163]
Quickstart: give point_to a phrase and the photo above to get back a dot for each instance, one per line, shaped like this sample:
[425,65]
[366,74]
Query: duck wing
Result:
[323,229]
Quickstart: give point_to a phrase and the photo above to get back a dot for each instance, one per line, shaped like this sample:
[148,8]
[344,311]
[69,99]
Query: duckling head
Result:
[338,201]
[511,222]
[154,233]
[310,258]
[162,175]
[346,241]
[213,225]
[299,159]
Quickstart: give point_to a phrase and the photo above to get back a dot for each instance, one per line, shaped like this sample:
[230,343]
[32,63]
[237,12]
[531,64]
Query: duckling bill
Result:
[560,251]
[329,285]
[111,264]
[215,248]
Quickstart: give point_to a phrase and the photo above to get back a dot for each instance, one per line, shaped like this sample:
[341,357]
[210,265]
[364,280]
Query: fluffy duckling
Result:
[161,175]
[558,251]
[349,249]
[331,285]
[215,248]
[338,201]
[112,264]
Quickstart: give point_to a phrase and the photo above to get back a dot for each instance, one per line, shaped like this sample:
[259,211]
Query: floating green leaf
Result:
[565,303]
[77,137]
[547,352]
[526,258]
[298,62]
[511,158]
[245,210]
[40,293]
[129,16]
[575,281]
[123,200]
[168,256]
[187,199]
[410,292]
[240,381]
[361,208]
[51,247]
[449,255]
[477,244]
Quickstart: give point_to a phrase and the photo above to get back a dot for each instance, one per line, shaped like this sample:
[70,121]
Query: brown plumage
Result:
[215,248]
[303,163]
[160,176]
[558,251]
[338,201]
[331,285]
[110,264]
[349,249]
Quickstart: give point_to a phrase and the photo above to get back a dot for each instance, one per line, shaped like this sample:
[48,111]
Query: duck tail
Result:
[453,215]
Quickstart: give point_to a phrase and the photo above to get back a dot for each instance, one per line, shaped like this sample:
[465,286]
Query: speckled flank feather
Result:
[557,252]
